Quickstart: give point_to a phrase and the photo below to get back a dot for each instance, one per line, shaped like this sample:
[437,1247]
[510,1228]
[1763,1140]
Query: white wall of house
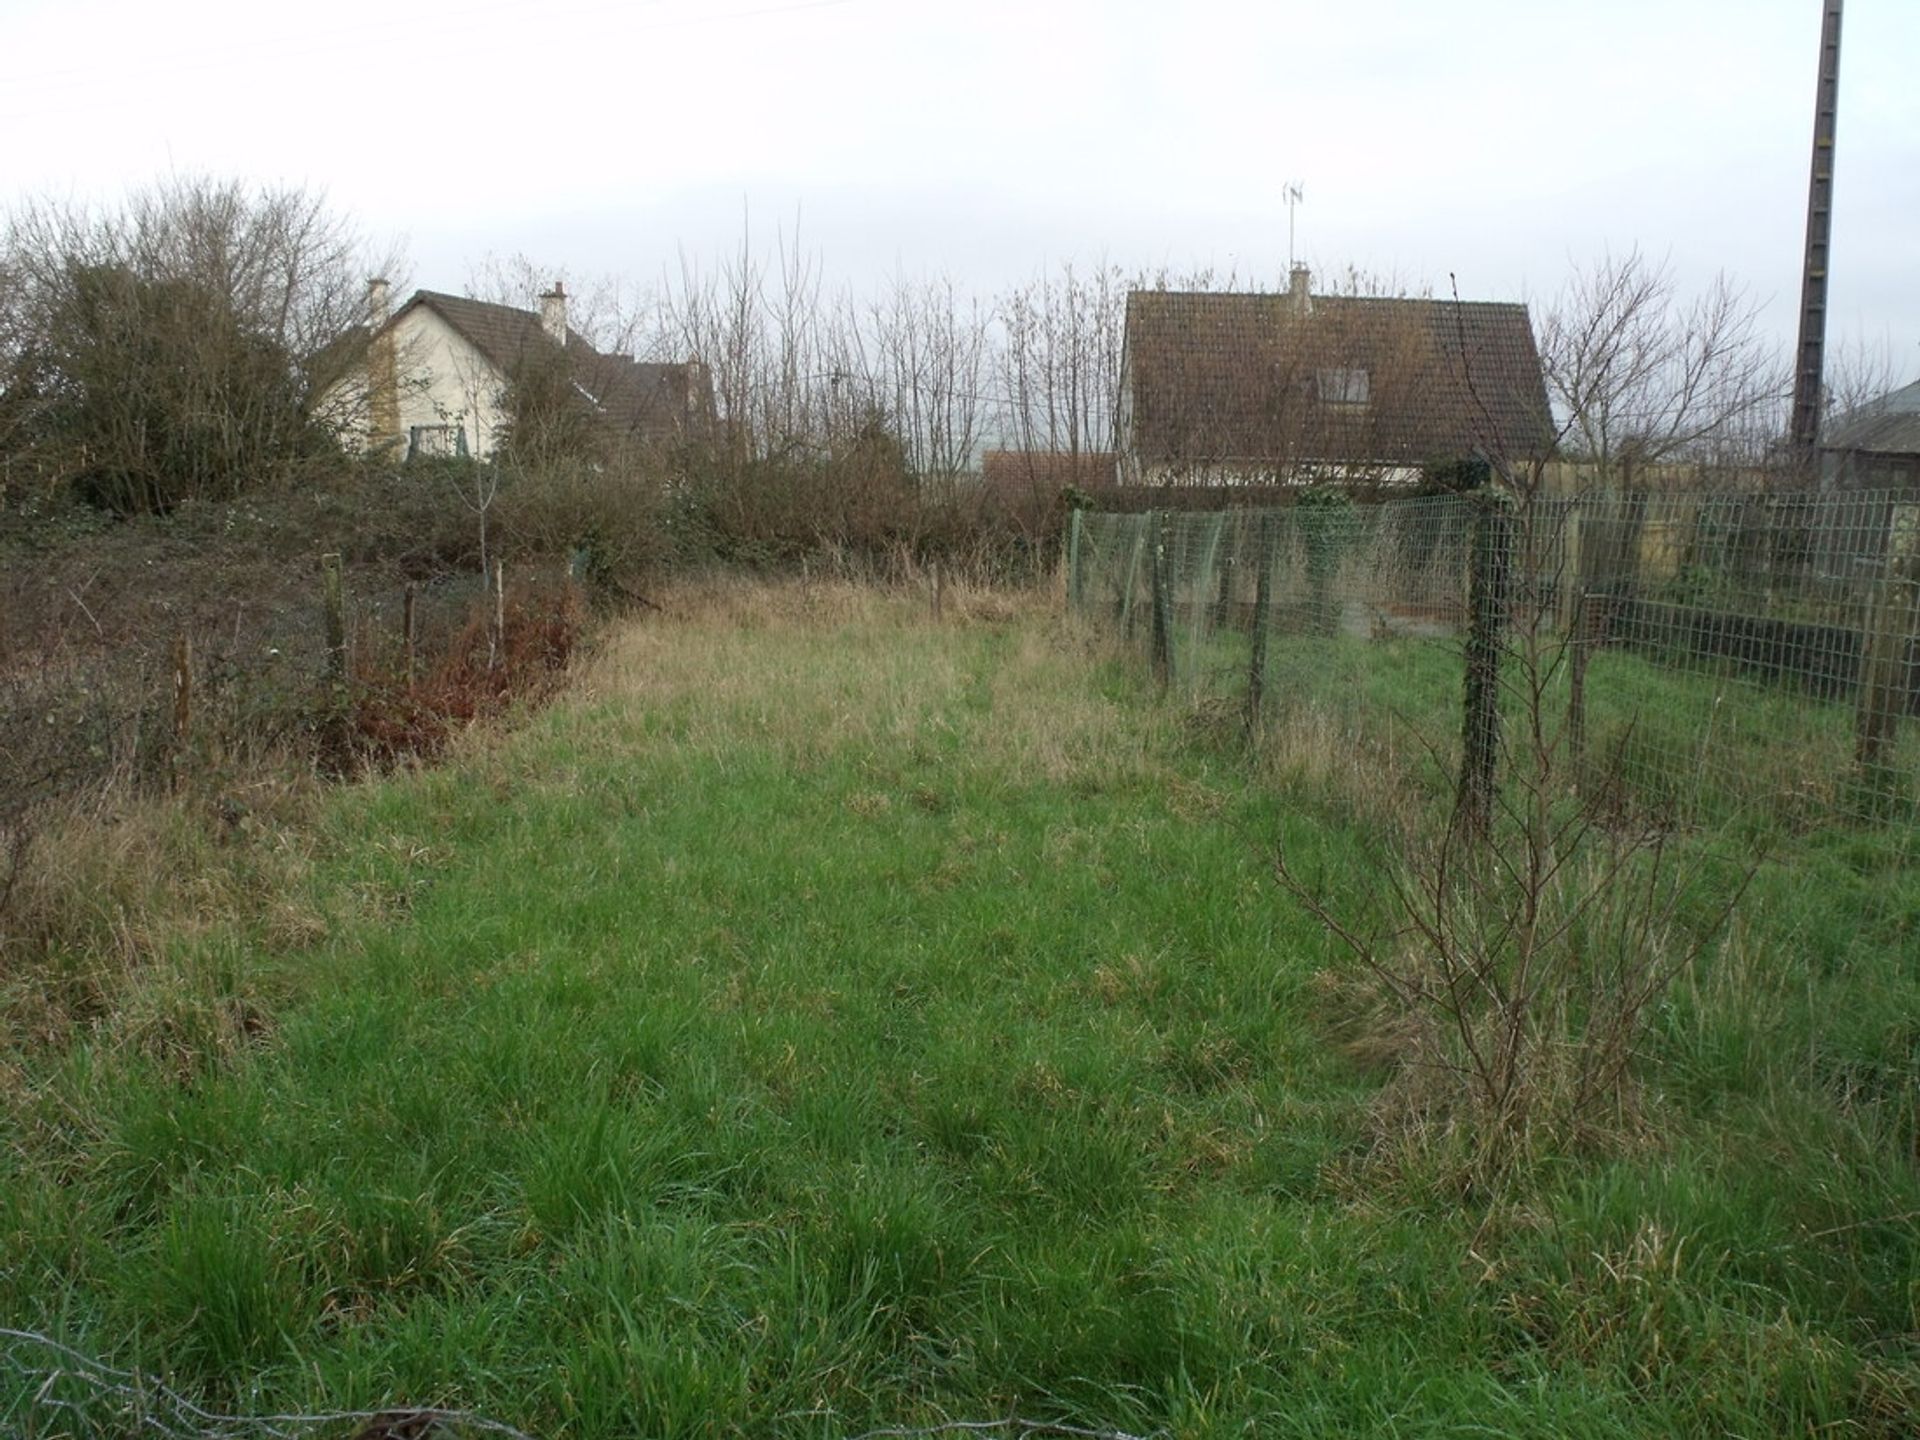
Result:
[445,381]
[445,389]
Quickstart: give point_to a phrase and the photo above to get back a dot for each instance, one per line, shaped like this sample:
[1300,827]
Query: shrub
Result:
[609,523]
[172,350]
[386,717]
[1527,938]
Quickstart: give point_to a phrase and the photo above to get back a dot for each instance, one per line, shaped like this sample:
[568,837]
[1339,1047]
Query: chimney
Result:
[379,301]
[383,368]
[1300,288]
[553,313]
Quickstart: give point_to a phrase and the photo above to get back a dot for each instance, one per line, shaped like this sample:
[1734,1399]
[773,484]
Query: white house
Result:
[434,376]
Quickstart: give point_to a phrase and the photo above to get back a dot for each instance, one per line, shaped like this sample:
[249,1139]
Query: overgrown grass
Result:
[1705,749]
[828,1019]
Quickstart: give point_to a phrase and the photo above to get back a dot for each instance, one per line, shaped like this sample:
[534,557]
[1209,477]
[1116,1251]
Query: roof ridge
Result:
[1335,296]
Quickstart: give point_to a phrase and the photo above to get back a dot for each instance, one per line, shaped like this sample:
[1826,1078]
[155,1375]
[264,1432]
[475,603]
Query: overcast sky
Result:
[1499,140]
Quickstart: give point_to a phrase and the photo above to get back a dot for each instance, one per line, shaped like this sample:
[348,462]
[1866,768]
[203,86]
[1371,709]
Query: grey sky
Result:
[1496,139]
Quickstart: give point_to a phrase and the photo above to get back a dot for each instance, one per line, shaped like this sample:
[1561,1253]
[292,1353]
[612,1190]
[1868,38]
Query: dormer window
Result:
[1349,386]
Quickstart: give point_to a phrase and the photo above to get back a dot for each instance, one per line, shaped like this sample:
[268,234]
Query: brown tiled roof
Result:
[642,401]
[1217,378]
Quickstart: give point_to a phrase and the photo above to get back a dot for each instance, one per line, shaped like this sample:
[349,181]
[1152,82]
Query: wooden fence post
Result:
[1580,641]
[499,613]
[1262,623]
[939,594]
[182,687]
[406,631]
[1570,583]
[1161,601]
[1076,579]
[334,598]
[1570,591]
[1891,624]
[1488,585]
[1226,552]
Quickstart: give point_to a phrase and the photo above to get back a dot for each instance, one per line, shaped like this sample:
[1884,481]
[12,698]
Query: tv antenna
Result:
[1294,197]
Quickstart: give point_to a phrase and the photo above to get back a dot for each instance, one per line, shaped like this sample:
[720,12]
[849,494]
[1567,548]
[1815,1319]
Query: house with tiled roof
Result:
[1295,388]
[435,376]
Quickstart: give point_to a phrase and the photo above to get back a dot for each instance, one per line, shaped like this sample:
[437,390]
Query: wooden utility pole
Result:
[1809,355]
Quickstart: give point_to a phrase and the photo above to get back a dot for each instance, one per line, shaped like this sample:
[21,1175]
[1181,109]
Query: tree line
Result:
[178,346]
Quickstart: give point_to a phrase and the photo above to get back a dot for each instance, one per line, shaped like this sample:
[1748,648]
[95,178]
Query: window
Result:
[424,441]
[1345,387]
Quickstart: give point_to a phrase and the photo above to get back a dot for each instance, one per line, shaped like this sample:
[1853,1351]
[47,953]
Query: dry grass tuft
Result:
[1490,1061]
[1312,752]
[113,908]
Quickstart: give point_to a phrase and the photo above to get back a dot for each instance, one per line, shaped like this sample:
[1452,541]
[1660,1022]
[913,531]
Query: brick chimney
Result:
[1300,289]
[553,313]
[383,366]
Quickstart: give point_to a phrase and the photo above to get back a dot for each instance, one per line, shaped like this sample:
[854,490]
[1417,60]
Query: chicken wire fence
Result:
[1713,655]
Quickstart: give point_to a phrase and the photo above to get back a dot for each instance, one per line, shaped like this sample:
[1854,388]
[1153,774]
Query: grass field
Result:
[825,1019]
[1709,749]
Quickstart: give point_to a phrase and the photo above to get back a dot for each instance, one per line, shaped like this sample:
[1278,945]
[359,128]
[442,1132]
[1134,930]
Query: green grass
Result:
[825,1020]
[1707,748]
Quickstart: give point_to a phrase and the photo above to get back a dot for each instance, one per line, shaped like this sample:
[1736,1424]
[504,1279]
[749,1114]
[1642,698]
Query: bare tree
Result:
[608,313]
[1859,372]
[1060,359]
[1528,940]
[176,347]
[1640,376]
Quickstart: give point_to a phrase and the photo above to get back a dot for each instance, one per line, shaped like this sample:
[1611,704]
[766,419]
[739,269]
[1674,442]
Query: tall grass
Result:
[827,1017]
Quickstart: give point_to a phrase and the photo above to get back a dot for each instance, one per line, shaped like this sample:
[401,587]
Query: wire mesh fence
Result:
[139,695]
[1715,656]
